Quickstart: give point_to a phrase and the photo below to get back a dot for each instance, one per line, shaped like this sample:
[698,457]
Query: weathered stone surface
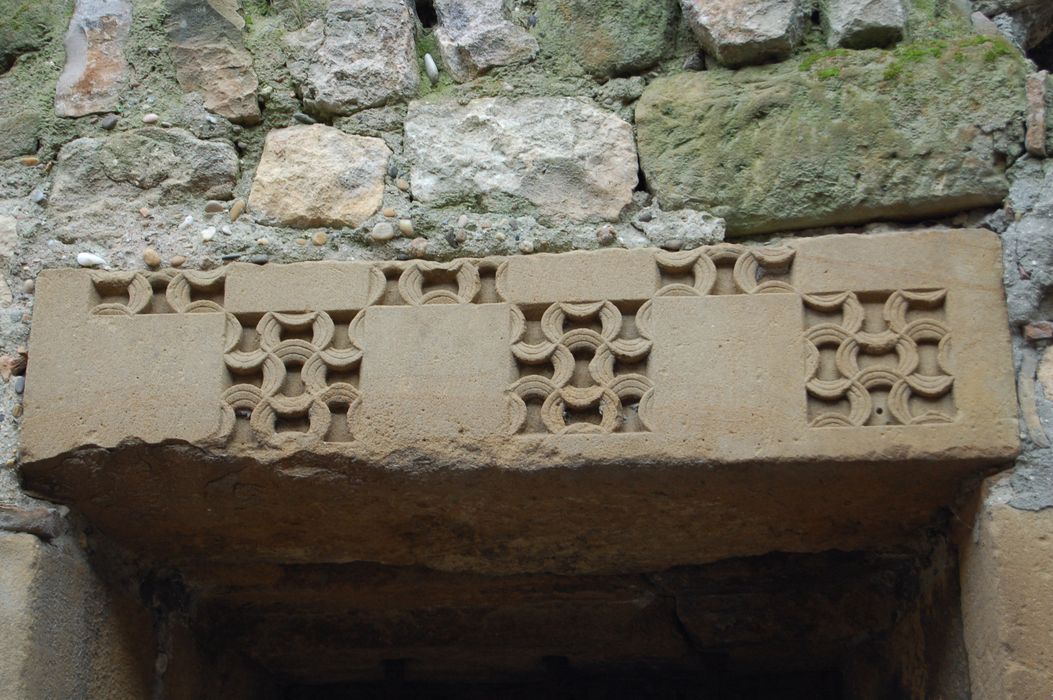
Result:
[319,176]
[424,410]
[688,227]
[608,37]
[742,32]
[45,523]
[838,140]
[360,55]
[132,169]
[1007,599]
[210,57]
[18,130]
[476,35]
[26,27]
[863,24]
[63,636]
[559,157]
[95,62]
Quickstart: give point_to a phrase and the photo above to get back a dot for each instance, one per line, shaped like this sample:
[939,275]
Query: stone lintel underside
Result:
[586,412]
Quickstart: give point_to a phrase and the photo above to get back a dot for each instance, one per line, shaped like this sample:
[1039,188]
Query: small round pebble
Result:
[319,238]
[402,184]
[390,212]
[462,221]
[151,257]
[461,236]
[19,383]
[208,234]
[499,237]
[30,161]
[382,232]
[393,171]
[186,222]
[673,244]
[451,239]
[17,411]
[418,247]
[89,260]
[39,197]
[237,209]
[301,241]
[214,207]
[645,216]
[178,261]
[262,241]
[259,259]
[151,118]
[605,235]
[303,118]
[405,227]
[144,212]
[109,122]
[526,247]
[29,286]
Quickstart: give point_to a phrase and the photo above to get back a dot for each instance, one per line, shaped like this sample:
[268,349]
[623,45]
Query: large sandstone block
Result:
[475,36]
[318,176]
[844,139]
[95,62]
[743,32]
[441,414]
[361,54]
[1007,598]
[560,157]
[210,57]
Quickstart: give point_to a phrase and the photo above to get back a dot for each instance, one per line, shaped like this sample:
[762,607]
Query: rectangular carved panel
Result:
[840,347]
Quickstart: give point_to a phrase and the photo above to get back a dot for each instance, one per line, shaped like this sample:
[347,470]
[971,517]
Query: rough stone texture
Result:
[559,157]
[205,40]
[63,636]
[688,227]
[319,176]
[472,384]
[608,37]
[94,177]
[95,62]
[863,24]
[1037,103]
[840,140]
[19,127]
[25,29]
[476,35]
[743,32]
[1027,22]
[360,55]
[1007,599]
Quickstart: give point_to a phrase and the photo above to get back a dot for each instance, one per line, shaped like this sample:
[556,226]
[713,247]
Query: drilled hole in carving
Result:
[879,413]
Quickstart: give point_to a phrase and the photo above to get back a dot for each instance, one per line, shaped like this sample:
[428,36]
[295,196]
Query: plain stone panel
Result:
[728,368]
[435,371]
[297,287]
[613,275]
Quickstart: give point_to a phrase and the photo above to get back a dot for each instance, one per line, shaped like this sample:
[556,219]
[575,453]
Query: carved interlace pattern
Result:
[872,358]
[315,398]
[600,389]
[866,362]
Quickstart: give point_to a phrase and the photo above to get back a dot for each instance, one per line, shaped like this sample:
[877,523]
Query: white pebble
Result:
[90,260]
[208,234]
[186,222]
[499,237]
[383,232]
[463,221]
[526,247]
[150,118]
[431,69]
[226,229]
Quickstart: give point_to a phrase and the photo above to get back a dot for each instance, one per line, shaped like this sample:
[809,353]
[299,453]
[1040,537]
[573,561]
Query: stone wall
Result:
[161,136]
